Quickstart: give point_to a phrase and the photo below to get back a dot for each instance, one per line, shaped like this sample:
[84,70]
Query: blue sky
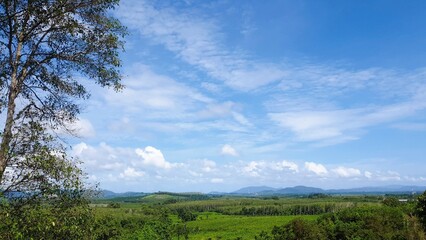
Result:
[225,94]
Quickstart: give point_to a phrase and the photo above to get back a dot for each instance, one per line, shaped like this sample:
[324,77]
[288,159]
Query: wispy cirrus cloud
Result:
[157,102]
[343,124]
[197,41]
[322,116]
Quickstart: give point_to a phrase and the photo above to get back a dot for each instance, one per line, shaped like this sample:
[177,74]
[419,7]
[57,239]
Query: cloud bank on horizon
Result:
[221,95]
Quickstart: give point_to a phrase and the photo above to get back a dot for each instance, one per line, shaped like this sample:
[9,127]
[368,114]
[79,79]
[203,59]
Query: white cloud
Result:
[368,174]
[153,157]
[347,172]
[84,128]
[208,166]
[103,156]
[241,119]
[216,180]
[112,166]
[286,165]
[253,168]
[79,148]
[195,41]
[316,168]
[81,127]
[131,173]
[346,124]
[117,168]
[198,40]
[145,89]
[228,150]
[156,102]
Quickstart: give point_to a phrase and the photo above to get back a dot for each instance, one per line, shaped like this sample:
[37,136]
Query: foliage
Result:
[114,205]
[64,219]
[298,229]
[186,215]
[132,223]
[391,202]
[356,223]
[46,48]
[421,209]
[369,220]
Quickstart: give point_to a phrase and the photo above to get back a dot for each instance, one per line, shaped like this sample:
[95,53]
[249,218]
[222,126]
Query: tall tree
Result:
[47,47]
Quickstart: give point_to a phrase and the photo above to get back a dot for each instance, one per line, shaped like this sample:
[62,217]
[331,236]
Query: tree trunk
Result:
[7,132]
[14,90]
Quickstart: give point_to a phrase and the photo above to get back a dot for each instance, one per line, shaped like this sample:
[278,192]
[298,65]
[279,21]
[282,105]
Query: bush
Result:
[45,222]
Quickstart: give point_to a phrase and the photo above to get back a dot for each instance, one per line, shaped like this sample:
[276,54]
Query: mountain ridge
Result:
[296,190]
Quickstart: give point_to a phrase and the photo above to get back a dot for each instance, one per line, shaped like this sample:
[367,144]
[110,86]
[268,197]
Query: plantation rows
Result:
[273,207]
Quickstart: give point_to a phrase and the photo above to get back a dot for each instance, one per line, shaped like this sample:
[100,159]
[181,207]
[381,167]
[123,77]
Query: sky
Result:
[221,95]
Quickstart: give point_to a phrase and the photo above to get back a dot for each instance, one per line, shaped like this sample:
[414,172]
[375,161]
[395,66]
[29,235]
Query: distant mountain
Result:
[304,190]
[217,193]
[297,190]
[110,194]
[300,190]
[266,191]
[253,190]
[382,189]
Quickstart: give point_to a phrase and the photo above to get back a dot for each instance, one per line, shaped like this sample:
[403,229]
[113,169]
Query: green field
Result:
[218,226]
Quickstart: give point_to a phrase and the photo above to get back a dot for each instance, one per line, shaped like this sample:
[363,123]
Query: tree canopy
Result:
[48,48]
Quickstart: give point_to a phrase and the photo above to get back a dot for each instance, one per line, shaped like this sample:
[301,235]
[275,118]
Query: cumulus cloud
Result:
[253,168]
[131,173]
[316,168]
[347,172]
[153,157]
[228,150]
[286,165]
[82,128]
[115,166]
[79,148]
[368,174]
[208,166]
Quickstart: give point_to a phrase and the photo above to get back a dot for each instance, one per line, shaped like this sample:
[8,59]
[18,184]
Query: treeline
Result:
[269,210]
[367,223]
[305,209]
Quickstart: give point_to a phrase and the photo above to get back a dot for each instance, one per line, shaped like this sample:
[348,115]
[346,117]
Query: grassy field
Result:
[218,226]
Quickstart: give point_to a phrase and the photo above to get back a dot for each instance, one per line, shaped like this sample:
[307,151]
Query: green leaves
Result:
[46,48]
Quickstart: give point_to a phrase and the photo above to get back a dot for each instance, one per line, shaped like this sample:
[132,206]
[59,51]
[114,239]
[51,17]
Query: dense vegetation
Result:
[195,216]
